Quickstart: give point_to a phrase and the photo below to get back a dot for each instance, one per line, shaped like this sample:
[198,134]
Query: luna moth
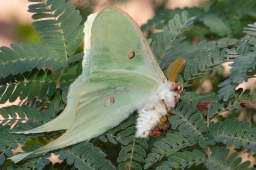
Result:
[120,75]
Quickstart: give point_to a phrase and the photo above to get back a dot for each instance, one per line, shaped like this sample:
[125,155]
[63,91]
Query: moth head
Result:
[169,93]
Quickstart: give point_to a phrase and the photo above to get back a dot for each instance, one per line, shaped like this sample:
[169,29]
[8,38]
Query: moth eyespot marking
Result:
[110,100]
[131,55]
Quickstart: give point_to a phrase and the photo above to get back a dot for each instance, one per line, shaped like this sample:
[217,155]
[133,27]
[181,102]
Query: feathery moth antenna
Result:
[131,55]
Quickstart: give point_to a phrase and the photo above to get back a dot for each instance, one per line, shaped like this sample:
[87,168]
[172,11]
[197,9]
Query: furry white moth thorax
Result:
[157,106]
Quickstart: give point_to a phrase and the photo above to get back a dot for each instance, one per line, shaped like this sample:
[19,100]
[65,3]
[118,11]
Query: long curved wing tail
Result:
[66,118]
[69,138]
[102,106]
[81,131]
[95,126]
[60,123]
[60,142]
[19,157]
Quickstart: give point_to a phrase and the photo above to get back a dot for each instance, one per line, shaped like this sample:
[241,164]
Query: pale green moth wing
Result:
[59,122]
[118,45]
[123,75]
[103,102]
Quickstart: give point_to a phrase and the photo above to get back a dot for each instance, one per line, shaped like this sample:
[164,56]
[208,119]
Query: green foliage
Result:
[170,32]
[190,123]
[227,90]
[23,57]
[133,151]
[239,73]
[122,134]
[16,118]
[27,33]
[219,159]
[243,66]
[203,62]
[199,132]
[213,20]
[25,116]
[231,132]
[201,58]
[35,164]
[183,160]
[38,84]
[204,56]
[59,25]
[166,146]
[194,99]
[216,25]
[132,155]
[86,156]
[251,30]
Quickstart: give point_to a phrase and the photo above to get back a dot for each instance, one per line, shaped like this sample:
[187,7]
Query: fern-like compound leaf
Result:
[227,90]
[201,58]
[166,146]
[219,159]
[24,57]
[251,30]
[214,106]
[34,164]
[17,118]
[132,156]
[244,65]
[216,25]
[86,156]
[232,132]
[122,134]
[190,123]
[38,84]
[183,160]
[59,25]
[175,27]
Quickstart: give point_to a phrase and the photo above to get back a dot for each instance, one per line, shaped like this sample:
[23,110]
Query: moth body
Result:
[157,107]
